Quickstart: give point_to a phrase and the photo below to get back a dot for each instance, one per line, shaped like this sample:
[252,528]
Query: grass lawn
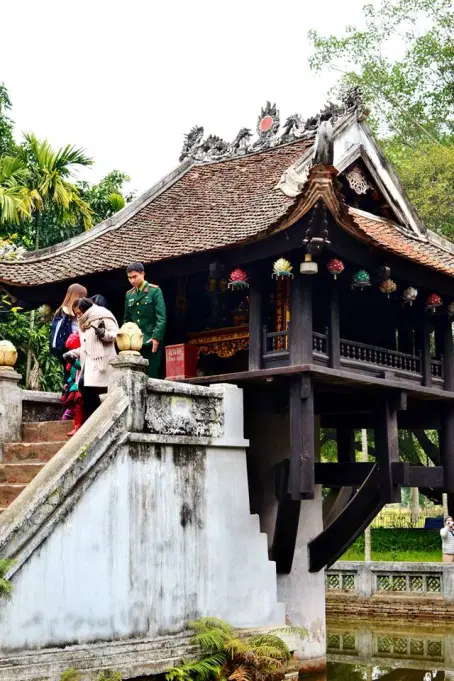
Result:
[404,556]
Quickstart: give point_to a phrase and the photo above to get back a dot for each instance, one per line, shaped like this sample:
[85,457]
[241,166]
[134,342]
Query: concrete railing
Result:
[384,579]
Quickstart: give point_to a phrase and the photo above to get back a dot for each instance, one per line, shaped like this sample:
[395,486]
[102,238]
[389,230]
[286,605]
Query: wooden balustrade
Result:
[353,353]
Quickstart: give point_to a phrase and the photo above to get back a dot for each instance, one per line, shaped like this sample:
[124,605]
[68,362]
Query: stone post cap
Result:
[9,374]
[126,360]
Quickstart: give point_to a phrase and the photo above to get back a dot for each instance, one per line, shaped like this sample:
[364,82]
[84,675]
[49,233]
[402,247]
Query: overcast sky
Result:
[126,79]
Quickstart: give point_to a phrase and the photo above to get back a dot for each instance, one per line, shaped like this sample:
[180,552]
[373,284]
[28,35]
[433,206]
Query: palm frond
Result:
[211,623]
[241,673]
[203,670]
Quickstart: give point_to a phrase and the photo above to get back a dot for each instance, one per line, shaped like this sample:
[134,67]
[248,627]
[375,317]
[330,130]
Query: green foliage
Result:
[109,675]
[399,544]
[47,370]
[7,144]
[226,654]
[5,585]
[412,93]
[411,97]
[39,198]
[107,197]
[427,173]
[70,674]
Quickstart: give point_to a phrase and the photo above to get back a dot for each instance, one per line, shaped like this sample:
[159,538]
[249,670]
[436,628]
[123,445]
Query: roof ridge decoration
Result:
[269,132]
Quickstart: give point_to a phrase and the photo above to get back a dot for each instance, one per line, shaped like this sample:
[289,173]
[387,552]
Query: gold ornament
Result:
[129,339]
[8,354]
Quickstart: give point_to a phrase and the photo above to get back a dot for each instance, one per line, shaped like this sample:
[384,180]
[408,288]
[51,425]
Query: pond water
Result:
[389,651]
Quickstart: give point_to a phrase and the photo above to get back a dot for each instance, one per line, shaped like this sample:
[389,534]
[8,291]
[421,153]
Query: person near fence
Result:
[72,397]
[447,540]
[98,329]
[145,306]
[63,325]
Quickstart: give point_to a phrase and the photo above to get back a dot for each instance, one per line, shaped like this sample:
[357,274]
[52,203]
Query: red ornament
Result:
[433,301]
[266,123]
[238,279]
[335,267]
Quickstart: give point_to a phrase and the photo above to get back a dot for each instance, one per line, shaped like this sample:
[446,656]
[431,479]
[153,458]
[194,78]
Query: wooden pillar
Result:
[387,449]
[334,329]
[301,321]
[405,331]
[446,439]
[424,347]
[448,356]
[255,323]
[302,438]
[345,437]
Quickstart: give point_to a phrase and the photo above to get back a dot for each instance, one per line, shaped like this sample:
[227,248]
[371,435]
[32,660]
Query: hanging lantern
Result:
[433,301]
[388,286]
[335,267]
[383,272]
[282,268]
[451,310]
[361,279]
[308,266]
[238,279]
[410,294]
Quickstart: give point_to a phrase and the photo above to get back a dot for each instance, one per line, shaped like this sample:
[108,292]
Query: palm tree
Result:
[50,174]
[229,656]
[16,198]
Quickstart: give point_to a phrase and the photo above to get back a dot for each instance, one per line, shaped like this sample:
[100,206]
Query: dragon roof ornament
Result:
[269,131]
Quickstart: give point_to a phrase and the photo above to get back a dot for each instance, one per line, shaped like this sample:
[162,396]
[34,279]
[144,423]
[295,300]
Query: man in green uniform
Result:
[145,307]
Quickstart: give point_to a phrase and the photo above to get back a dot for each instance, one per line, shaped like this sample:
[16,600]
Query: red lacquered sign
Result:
[181,361]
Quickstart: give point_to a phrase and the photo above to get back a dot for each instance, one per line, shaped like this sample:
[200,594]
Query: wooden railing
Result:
[275,345]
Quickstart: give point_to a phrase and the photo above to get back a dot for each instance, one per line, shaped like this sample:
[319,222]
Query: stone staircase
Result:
[23,460]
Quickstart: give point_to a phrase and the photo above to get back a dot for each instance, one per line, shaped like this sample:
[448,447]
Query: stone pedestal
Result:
[303,592]
[10,406]
[130,374]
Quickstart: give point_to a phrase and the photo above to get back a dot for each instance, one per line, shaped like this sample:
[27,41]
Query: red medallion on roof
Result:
[266,123]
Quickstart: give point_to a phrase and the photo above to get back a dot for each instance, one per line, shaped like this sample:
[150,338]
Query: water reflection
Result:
[386,651]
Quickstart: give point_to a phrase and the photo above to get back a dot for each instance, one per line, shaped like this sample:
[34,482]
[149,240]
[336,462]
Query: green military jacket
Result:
[147,309]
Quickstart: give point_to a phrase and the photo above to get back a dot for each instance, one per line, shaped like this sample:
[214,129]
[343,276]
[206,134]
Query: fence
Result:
[384,579]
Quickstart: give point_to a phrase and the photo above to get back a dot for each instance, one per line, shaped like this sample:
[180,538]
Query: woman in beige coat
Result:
[98,329]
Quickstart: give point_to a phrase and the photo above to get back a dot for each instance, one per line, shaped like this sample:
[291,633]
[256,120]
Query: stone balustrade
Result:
[376,579]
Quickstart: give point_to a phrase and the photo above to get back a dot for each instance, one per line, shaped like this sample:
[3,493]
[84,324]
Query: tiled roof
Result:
[390,237]
[205,207]
[211,206]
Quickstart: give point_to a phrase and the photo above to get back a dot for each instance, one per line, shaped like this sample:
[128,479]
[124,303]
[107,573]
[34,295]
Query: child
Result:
[71,396]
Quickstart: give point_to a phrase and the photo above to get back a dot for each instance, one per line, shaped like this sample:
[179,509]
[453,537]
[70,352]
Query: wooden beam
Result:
[302,439]
[406,475]
[287,520]
[334,328]
[335,539]
[255,323]
[327,375]
[387,450]
[446,440]
[342,474]
[345,437]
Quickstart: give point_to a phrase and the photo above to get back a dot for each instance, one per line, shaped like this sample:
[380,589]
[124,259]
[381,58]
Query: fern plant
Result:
[226,654]
[5,585]
[70,674]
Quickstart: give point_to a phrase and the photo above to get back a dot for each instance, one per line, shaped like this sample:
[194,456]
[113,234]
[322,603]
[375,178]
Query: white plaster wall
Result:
[157,539]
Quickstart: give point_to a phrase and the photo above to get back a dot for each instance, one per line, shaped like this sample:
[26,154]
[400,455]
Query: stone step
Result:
[19,473]
[46,431]
[30,452]
[8,493]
